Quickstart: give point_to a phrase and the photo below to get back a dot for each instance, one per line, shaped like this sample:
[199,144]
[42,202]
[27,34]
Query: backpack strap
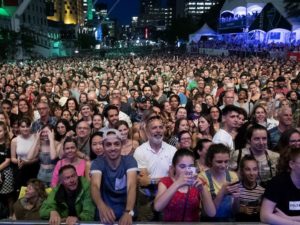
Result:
[211,184]
[228,178]
[238,159]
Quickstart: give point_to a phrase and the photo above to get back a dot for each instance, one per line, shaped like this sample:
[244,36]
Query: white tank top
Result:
[23,146]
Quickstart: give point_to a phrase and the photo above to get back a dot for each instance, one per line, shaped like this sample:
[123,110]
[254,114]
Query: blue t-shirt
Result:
[114,182]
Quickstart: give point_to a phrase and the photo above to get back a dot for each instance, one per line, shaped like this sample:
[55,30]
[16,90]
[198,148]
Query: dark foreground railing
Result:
[21,222]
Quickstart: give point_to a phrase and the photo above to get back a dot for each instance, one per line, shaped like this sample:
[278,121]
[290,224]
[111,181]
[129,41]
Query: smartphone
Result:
[234,183]
[191,171]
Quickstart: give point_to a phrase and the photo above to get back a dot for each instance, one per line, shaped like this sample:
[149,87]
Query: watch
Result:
[130,212]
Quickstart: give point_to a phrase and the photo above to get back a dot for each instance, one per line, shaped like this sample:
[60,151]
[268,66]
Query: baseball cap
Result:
[280,79]
[109,133]
[142,99]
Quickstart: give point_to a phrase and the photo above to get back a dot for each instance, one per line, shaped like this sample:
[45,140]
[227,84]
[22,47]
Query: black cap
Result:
[280,79]
[142,99]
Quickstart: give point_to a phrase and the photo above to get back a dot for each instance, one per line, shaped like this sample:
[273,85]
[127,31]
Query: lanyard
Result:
[268,162]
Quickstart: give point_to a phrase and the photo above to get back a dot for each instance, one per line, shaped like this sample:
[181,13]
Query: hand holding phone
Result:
[192,173]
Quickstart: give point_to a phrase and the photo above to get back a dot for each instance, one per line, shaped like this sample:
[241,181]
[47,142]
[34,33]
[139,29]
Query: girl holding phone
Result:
[223,184]
[179,196]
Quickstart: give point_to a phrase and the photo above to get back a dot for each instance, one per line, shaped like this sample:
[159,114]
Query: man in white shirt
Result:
[230,119]
[154,158]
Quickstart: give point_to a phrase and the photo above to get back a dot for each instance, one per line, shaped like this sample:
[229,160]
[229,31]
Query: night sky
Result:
[124,10]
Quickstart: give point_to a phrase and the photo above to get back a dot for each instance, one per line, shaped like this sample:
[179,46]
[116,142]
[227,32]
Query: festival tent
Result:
[205,30]
[271,18]
[242,7]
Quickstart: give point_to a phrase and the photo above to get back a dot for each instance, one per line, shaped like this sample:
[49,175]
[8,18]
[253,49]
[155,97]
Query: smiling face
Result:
[124,130]
[250,171]
[185,141]
[259,141]
[155,131]
[112,147]
[66,115]
[83,129]
[71,105]
[23,107]
[220,162]
[24,129]
[113,116]
[86,111]
[260,115]
[70,150]
[97,145]
[97,122]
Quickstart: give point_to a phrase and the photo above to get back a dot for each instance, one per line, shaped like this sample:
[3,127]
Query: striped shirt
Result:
[251,197]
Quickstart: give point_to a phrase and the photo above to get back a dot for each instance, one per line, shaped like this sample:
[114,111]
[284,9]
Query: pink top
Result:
[80,167]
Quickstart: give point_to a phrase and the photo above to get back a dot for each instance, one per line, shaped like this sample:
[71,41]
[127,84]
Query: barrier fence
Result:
[20,222]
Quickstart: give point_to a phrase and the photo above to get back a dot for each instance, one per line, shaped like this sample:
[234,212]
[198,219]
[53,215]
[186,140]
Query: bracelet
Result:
[152,181]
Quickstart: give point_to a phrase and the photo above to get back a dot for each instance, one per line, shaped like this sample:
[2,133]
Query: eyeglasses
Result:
[82,128]
[44,108]
[294,141]
[220,161]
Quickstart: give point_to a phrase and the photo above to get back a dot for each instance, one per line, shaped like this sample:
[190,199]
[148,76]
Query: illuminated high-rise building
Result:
[68,11]
[88,10]
[195,8]
[152,13]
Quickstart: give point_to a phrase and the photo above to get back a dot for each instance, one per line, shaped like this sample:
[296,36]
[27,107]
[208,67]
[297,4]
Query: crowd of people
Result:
[156,138]
[238,43]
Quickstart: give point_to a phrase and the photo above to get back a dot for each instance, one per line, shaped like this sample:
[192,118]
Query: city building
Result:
[153,14]
[50,38]
[68,11]
[194,8]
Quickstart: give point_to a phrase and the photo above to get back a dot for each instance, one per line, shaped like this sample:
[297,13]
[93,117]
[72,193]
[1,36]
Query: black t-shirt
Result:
[4,153]
[285,194]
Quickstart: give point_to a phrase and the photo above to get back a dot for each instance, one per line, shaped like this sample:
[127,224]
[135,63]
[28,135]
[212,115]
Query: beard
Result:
[156,140]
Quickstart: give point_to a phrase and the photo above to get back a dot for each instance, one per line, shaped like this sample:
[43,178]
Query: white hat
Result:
[111,133]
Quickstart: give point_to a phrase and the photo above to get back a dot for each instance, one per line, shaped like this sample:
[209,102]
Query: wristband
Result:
[153,182]
[130,212]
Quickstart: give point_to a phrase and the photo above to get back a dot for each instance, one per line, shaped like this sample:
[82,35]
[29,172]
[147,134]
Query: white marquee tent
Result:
[205,30]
